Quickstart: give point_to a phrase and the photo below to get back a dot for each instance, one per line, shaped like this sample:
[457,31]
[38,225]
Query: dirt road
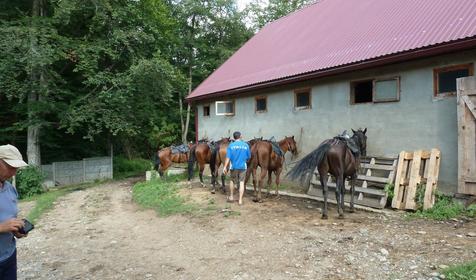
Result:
[99,233]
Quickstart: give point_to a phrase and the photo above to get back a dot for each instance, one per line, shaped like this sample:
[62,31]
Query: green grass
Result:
[45,201]
[162,196]
[445,208]
[124,168]
[461,272]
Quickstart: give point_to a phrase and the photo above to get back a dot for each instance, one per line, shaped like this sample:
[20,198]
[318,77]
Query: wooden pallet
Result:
[374,174]
[414,168]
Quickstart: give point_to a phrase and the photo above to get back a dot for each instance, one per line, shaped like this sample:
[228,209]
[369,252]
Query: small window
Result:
[376,90]
[362,91]
[445,78]
[206,110]
[261,105]
[225,108]
[302,99]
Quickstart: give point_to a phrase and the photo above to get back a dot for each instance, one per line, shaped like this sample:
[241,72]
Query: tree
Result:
[261,12]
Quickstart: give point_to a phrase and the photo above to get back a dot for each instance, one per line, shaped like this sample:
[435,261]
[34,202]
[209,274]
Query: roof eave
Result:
[459,45]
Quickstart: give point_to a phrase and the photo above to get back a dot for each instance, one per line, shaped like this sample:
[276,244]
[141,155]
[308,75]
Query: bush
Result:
[124,167]
[29,182]
[445,208]
[461,272]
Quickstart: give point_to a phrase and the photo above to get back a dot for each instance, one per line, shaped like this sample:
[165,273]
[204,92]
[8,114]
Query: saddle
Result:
[275,146]
[349,142]
[182,149]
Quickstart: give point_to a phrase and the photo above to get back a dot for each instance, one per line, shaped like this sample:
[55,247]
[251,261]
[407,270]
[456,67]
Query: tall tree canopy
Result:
[76,75]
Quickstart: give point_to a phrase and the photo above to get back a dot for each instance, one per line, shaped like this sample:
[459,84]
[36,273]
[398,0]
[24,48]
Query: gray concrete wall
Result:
[417,121]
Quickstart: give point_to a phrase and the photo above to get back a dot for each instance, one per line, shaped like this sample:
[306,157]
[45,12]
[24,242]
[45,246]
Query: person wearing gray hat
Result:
[10,225]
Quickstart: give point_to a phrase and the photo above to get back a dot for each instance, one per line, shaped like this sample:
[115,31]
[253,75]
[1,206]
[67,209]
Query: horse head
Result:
[361,139]
[291,144]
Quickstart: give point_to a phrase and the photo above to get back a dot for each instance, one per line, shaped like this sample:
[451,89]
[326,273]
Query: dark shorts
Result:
[8,268]
[238,176]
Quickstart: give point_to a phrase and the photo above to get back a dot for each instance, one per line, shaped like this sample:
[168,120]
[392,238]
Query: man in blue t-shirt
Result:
[237,154]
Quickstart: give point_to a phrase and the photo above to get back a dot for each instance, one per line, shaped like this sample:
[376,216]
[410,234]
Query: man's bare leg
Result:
[242,191]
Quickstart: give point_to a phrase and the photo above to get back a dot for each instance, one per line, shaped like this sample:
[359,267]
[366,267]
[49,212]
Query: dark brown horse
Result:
[165,157]
[335,157]
[263,155]
[202,153]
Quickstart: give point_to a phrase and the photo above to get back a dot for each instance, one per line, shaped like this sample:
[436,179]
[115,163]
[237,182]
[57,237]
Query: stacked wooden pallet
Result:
[375,173]
[414,169]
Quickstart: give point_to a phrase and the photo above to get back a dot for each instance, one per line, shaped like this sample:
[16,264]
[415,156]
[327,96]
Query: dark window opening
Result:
[362,91]
[445,78]
[303,99]
[206,110]
[261,104]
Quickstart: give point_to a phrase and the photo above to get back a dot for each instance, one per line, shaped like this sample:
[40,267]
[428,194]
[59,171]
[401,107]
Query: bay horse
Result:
[263,155]
[202,153]
[335,157]
[165,157]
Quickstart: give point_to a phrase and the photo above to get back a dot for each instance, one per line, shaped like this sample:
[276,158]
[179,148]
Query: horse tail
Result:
[213,159]
[156,161]
[191,160]
[309,162]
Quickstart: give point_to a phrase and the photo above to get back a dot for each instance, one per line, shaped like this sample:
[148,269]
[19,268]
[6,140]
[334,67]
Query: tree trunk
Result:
[37,80]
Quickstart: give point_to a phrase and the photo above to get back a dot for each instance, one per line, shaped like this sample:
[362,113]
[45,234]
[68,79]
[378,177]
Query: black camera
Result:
[27,227]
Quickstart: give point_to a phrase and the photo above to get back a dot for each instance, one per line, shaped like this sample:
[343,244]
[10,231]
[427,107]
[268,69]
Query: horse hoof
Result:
[341,216]
[352,210]
[213,191]
[257,200]
[324,217]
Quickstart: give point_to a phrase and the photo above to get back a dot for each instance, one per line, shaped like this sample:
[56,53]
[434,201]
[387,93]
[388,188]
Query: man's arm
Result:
[225,166]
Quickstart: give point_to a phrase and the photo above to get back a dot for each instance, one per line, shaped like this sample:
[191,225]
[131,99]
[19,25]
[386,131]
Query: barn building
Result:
[387,65]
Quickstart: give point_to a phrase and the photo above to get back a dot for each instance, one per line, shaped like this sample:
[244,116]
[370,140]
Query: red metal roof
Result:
[333,33]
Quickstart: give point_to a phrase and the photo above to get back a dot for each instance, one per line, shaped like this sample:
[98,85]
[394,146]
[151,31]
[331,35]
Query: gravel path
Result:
[99,233]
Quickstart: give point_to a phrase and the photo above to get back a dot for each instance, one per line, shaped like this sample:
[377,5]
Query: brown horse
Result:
[202,153]
[165,157]
[263,155]
[217,159]
[335,157]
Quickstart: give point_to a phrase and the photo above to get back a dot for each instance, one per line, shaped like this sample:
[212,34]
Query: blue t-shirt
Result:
[238,152]
[8,210]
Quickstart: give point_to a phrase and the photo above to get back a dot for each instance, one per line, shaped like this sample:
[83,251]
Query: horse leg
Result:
[278,181]
[323,179]
[164,167]
[262,174]
[270,181]
[253,172]
[214,179]
[340,190]
[200,173]
[352,191]
[223,189]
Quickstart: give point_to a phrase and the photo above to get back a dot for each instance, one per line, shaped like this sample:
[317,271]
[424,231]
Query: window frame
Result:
[256,104]
[224,102]
[307,90]
[374,81]
[209,108]
[437,71]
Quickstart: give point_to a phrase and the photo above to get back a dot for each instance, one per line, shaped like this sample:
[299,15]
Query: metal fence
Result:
[75,172]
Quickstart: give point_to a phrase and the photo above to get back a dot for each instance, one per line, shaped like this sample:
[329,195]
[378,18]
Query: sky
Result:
[242,3]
